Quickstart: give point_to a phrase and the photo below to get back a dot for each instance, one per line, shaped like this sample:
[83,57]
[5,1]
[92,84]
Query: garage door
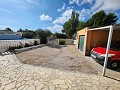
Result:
[81,42]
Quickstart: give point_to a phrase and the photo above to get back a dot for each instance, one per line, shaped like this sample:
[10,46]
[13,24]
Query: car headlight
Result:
[110,55]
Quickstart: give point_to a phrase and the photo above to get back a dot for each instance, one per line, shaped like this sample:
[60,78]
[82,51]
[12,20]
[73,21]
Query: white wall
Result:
[4,44]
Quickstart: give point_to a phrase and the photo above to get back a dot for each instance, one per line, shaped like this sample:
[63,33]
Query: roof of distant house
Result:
[10,37]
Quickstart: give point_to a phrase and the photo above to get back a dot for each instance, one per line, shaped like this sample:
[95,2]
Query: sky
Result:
[50,14]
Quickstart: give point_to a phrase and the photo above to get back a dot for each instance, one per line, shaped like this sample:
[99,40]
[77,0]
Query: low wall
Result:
[53,41]
[69,41]
[56,41]
[5,44]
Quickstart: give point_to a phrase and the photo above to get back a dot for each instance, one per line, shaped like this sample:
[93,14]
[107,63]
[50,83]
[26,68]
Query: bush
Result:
[35,43]
[62,41]
[26,45]
[13,48]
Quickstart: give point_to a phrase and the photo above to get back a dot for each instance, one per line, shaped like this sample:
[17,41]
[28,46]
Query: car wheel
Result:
[114,65]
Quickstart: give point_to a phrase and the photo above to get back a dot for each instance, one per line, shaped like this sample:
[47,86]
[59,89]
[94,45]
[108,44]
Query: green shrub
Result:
[11,48]
[16,47]
[35,43]
[26,45]
[20,47]
[62,41]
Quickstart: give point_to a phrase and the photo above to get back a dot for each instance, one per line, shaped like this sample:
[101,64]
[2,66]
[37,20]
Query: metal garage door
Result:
[81,42]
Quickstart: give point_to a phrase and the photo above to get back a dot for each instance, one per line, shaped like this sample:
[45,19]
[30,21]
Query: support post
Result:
[107,50]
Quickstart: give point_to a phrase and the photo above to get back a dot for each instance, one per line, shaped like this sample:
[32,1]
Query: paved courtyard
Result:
[15,75]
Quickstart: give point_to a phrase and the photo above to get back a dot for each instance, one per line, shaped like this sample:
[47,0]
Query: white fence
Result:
[5,44]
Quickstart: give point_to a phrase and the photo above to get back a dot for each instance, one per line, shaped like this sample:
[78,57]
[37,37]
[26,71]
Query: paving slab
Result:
[15,75]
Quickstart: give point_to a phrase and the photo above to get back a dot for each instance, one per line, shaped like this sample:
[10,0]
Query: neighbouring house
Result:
[10,37]
[87,38]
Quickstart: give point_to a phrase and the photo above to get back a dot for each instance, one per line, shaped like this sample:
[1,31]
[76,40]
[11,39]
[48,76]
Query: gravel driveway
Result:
[57,57]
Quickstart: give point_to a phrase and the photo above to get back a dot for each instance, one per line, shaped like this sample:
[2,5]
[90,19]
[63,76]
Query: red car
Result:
[98,54]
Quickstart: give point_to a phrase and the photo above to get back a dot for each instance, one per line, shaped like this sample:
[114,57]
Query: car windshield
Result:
[115,45]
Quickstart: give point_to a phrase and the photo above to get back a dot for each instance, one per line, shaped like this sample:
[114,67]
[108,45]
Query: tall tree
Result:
[80,25]
[48,33]
[101,18]
[42,36]
[70,26]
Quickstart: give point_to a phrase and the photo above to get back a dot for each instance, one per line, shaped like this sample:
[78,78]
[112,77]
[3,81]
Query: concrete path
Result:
[17,76]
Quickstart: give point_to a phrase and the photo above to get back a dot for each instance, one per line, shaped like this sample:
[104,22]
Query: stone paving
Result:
[17,76]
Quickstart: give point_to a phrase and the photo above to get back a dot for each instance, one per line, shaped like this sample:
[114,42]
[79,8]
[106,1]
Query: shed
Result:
[87,38]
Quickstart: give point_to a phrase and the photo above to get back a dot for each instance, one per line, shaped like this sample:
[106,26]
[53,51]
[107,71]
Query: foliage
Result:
[101,18]
[60,35]
[62,41]
[70,26]
[28,34]
[48,33]
[80,25]
[8,29]
[26,45]
[42,36]
[15,47]
[35,43]
[20,30]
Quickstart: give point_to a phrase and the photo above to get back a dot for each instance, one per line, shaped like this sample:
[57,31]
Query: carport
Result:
[112,34]
[98,37]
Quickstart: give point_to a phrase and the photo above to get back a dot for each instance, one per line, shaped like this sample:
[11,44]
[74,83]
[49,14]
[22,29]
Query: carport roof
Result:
[115,27]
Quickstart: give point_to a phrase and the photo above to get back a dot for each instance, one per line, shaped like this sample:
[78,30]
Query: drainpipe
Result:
[107,50]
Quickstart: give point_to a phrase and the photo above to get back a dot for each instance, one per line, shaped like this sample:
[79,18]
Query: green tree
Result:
[80,25]
[48,33]
[8,29]
[60,35]
[70,26]
[101,18]
[28,34]
[42,36]
[20,30]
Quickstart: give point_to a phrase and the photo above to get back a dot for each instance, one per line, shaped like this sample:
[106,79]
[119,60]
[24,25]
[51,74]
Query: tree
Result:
[28,34]
[70,26]
[8,29]
[80,25]
[48,33]
[20,30]
[101,18]
[42,36]
[60,36]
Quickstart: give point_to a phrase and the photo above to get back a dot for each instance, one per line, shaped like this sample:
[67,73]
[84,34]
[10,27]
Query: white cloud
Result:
[108,5]
[33,2]
[64,17]
[80,2]
[73,1]
[45,18]
[83,13]
[6,11]
[56,28]
[63,7]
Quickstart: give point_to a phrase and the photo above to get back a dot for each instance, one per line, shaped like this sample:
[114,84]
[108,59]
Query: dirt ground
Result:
[57,57]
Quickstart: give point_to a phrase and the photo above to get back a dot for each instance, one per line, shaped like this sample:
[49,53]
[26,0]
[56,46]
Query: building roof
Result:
[115,27]
[9,37]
